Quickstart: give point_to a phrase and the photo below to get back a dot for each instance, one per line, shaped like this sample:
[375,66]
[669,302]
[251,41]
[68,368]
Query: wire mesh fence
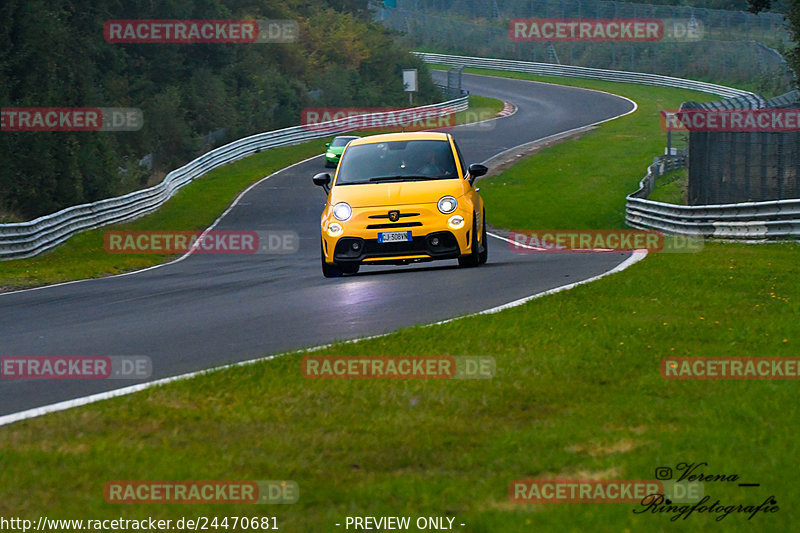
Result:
[735,47]
[756,165]
[718,24]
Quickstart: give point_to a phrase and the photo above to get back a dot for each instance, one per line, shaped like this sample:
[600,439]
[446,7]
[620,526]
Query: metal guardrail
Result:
[750,220]
[27,239]
[548,69]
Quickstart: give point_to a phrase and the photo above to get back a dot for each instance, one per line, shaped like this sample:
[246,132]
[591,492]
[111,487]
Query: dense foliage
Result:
[792,10]
[794,23]
[53,54]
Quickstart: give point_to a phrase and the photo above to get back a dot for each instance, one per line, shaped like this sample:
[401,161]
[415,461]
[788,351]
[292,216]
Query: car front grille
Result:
[357,249]
[391,225]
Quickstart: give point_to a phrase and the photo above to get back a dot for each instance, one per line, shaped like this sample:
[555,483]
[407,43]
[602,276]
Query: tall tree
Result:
[53,54]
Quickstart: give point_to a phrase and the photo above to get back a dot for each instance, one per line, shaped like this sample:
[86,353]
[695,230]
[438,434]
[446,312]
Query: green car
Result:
[335,149]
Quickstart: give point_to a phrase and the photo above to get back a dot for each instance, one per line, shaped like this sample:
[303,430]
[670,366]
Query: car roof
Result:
[409,136]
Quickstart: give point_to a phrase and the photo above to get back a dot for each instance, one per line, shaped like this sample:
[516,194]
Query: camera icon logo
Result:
[663,473]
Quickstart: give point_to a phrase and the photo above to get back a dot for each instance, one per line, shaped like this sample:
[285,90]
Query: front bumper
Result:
[432,237]
[436,245]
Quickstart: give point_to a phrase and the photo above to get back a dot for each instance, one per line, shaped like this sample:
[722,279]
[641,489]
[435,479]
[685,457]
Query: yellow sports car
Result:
[401,198]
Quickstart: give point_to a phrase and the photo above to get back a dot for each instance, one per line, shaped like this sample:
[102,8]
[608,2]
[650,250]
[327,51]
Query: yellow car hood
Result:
[397,193]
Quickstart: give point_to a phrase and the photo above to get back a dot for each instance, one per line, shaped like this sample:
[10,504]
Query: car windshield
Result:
[341,141]
[397,161]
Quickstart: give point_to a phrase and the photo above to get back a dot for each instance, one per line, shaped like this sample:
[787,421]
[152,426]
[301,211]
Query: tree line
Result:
[53,54]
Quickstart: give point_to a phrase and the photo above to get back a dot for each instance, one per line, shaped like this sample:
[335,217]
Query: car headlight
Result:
[342,211]
[334,229]
[330,154]
[456,221]
[447,204]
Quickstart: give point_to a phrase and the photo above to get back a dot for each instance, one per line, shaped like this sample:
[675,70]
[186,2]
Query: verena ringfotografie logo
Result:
[730,368]
[75,367]
[572,241]
[772,120]
[201,31]
[398,367]
[201,242]
[201,492]
[71,119]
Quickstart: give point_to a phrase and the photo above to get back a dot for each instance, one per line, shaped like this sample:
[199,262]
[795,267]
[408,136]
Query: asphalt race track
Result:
[207,310]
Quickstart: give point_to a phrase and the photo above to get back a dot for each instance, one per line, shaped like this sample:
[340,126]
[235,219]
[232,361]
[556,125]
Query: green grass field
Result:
[577,395]
[592,174]
[672,188]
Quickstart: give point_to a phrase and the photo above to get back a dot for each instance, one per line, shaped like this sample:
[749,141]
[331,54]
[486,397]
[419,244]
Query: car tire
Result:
[473,259]
[329,271]
[328,164]
[483,256]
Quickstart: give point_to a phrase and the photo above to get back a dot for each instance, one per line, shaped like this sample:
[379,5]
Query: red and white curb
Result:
[508,110]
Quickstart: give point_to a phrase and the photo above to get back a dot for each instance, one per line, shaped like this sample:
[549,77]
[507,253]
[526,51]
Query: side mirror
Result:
[327,145]
[476,170]
[323,179]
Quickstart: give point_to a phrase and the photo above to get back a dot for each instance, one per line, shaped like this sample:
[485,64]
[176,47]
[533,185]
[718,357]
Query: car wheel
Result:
[483,256]
[329,271]
[473,259]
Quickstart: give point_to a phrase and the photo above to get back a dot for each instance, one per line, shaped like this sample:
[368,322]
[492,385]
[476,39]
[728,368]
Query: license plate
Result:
[394,236]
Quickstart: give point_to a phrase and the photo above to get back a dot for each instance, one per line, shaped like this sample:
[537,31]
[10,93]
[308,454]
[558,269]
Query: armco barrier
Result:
[750,221]
[26,239]
[547,69]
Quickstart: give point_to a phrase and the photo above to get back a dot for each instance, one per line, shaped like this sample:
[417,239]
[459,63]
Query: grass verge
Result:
[672,188]
[577,395]
[593,174]
[194,207]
